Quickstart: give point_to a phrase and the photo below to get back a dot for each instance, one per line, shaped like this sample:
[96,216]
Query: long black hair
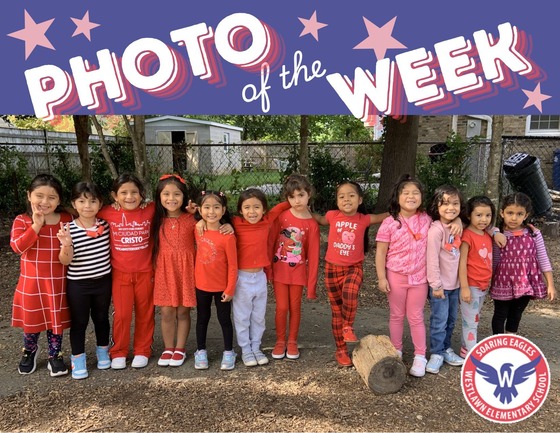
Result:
[161,212]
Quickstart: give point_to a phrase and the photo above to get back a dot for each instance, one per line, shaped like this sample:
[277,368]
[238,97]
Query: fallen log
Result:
[379,364]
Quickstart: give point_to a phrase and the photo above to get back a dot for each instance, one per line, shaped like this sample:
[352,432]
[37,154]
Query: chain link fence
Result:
[235,167]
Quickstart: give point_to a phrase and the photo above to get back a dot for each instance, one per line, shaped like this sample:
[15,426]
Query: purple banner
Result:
[294,57]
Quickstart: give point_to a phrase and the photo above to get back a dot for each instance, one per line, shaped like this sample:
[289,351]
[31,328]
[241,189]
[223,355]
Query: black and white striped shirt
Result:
[92,255]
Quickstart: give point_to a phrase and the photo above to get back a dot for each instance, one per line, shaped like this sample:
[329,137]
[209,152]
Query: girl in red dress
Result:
[40,296]
[173,255]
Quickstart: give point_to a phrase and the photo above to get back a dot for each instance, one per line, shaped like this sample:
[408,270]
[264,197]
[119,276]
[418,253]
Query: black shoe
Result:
[56,366]
[28,362]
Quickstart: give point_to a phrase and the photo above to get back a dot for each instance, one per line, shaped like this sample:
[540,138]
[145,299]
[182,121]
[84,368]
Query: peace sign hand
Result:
[63,235]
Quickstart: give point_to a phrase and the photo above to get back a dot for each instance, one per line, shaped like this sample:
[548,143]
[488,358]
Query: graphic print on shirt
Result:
[289,246]
[346,237]
[485,254]
[206,251]
[130,236]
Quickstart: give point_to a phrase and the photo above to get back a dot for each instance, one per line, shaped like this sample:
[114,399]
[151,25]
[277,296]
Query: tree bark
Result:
[82,130]
[304,145]
[494,175]
[104,149]
[137,135]
[399,156]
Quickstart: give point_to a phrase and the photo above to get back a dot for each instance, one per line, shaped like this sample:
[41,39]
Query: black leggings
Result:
[89,297]
[507,314]
[203,313]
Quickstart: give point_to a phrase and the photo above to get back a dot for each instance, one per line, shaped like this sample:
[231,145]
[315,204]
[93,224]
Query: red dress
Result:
[174,276]
[40,296]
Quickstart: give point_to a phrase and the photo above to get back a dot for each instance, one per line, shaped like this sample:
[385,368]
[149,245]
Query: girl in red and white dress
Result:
[40,297]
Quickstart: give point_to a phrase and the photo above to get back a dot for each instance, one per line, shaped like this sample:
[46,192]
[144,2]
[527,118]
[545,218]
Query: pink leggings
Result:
[407,300]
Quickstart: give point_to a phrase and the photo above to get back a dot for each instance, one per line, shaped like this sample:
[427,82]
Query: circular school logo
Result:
[505,378]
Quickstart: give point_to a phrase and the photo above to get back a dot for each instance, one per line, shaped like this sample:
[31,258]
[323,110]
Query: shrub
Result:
[14,180]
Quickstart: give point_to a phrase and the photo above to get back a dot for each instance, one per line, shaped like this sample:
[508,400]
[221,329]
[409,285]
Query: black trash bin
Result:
[524,174]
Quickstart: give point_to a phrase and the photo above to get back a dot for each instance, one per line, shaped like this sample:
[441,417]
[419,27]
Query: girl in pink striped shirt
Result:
[400,262]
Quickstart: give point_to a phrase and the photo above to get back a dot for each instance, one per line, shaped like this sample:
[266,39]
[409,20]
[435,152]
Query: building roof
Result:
[193,121]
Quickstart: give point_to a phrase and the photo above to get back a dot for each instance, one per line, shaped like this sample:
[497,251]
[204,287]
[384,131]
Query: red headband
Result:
[176,176]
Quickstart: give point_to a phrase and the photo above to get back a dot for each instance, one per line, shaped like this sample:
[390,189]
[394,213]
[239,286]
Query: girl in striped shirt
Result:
[85,249]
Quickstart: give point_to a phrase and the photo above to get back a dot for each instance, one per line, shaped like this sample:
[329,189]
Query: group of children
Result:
[177,255]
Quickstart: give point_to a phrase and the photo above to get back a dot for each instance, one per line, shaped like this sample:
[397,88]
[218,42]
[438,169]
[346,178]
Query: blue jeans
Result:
[442,320]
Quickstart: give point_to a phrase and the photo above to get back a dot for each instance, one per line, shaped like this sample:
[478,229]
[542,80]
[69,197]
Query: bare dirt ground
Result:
[310,394]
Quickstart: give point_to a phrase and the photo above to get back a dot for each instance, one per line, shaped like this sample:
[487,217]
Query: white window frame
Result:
[540,132]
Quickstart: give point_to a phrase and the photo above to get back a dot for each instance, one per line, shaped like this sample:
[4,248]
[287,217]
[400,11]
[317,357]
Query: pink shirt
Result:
[442,257]
[407,239]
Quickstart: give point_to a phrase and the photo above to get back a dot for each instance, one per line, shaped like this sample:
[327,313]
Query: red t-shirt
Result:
[346,238]
[479,259]
[131,243]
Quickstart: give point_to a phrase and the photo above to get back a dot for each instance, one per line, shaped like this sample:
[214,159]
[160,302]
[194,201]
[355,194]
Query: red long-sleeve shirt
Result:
[296,251]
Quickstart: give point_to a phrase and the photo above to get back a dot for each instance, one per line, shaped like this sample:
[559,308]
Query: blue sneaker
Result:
[452,358]
[79,368]
[434,364]
[103,359]
[228,360]
[201,360]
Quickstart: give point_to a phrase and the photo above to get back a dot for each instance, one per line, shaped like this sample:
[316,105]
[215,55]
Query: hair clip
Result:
[202,192]
[221,194]
[176,176]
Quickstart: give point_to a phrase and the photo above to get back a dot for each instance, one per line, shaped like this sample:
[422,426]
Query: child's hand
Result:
[144,204]
[466,295]
[551,291]
[200,227]
[456,227]
[37,217]
[500,239]
[191,207]
[383,285]
[226,298]
[438,293]
[226,229]
[116,205]
[63,235]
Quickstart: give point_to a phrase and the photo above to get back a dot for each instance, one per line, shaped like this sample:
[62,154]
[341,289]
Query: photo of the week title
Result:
[434,81]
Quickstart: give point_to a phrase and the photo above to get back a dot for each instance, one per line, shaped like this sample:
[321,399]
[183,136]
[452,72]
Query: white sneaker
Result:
[139,361]
[434,364]
[418,368]
[118,363]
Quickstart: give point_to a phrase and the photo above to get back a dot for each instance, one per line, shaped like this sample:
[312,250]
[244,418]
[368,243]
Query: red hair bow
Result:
[176,176]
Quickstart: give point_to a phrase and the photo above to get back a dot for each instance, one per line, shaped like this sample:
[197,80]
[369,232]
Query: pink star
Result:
[379,39]
[535,97]
[33,34]
[84,26]
[311,26]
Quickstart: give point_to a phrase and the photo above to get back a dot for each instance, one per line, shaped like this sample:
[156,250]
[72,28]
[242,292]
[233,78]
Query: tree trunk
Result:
[138,137]
[82,130]
[379,365]
[494,175]
[304,145]
[104,149]
[399,156]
